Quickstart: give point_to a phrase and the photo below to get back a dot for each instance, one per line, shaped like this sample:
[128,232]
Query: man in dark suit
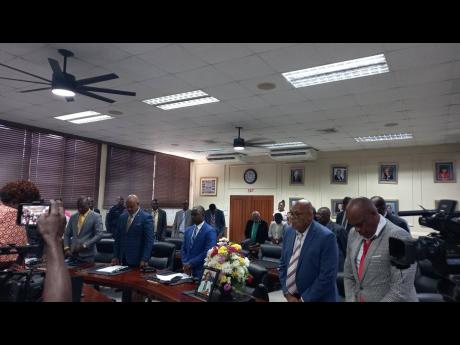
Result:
[91,205]
[324,218]
[256,229]
[381,207]
[159,221]
[308,267]
[111,220]
[82,233]
[134,236]
[216,219]
[198,239]
[341,218]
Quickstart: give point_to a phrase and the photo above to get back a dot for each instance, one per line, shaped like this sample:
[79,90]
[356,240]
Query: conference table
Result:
[135,280]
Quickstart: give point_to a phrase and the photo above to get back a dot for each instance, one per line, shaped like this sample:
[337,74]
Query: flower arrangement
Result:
[229,259]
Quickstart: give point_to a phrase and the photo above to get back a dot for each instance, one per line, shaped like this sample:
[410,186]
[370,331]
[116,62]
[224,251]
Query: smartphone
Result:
[28,213]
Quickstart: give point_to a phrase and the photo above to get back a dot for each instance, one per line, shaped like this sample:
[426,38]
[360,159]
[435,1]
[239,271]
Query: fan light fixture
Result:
[63,92]
[238,143]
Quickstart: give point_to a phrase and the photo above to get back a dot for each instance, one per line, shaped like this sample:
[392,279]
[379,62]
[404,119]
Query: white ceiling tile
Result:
[335,103]
[293,58]
[98,54]
[139,48]
[283,97]
[280,83]
[244,68]
[263,47]
[423,75]
[420,55]
[135,69]
[248,103]
[337,52]
[228,91]
[167,85]
[204,77]
[173,59]
[19,49]
[217,52]
[300,107]
[374,97]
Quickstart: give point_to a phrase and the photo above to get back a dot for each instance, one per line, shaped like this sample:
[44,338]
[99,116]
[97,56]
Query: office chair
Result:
[163,255]
[104,250]
[258,286]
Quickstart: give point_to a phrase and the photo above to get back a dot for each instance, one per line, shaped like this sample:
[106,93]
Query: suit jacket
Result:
[195,254]
[381,282]
[220,221]
[397,221]
[111,220]
[339,219]
[316,271]
[262,231]
[341,236]
[90,233]
[135,244]
[177,220]
[160,230]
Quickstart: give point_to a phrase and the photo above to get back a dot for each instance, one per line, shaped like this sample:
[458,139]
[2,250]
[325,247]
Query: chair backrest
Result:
[168,232]
[259,274]
[177,242]
[163,254]
[246,243]
[270,252]
[426,280]
[106,234]
[105,245]
[77,286]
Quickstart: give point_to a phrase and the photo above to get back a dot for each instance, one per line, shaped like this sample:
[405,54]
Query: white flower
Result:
[246,262]
[227,268]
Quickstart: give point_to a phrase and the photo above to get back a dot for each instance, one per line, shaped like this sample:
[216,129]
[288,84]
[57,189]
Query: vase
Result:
[225,296]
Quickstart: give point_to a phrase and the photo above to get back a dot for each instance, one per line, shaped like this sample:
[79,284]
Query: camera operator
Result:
[11,195]
[51,228]
[368,273]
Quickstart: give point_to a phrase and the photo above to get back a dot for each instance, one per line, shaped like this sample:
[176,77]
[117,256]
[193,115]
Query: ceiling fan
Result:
[66,85]
[240,144]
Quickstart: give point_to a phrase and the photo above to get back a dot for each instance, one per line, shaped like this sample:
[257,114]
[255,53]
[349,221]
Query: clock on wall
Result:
[250,176]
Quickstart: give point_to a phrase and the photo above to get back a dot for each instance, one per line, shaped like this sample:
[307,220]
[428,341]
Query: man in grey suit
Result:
[82,233]
[368,273]
[182,221]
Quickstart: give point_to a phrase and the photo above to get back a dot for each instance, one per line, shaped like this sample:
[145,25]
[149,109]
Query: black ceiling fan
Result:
[66,85]
[240,144]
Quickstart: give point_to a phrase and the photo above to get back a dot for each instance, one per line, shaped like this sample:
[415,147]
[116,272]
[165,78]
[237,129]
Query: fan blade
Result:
[55,66]
[33,75]
[33,90]
[97,79]
[93,95]
[69,99]
[27,81]
[98,89]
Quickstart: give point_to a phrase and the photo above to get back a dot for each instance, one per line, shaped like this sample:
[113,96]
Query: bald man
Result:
[368,273]
[134,236]
[308,267]
[256,229]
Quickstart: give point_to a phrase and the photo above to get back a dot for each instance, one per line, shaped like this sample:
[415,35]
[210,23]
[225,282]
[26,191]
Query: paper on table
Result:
[169,277]
[111,269]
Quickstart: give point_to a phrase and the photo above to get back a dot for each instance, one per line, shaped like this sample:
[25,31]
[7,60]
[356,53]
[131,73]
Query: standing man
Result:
[256,229]
[82,233]
[91,205]
[369,275]
[308,267]
[198,239]
[111,220]
[381,207]
[182,221]
[216,219]
[324,218]
[159,221]
[134,236]
[341,218]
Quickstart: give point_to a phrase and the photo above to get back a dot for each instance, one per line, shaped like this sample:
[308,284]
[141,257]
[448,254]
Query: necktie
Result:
[195,231]
[291,272]
[80,223]
[366,246]
[130,220]
[344,220]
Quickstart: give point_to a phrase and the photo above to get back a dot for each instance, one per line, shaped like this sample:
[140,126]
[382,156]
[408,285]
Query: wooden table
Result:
[90,294]
[135,281]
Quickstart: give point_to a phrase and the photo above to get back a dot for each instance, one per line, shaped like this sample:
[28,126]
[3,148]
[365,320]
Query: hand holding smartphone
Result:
[28,213]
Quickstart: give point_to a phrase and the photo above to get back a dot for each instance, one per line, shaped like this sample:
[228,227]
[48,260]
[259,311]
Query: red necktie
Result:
[366,245]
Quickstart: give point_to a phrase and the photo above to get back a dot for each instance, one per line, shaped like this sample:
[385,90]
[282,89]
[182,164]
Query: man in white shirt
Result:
[182,221]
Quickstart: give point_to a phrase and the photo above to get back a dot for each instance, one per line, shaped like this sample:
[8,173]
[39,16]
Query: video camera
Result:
[441,248]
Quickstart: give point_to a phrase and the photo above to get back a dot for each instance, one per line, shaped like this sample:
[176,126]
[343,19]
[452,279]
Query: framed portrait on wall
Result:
[336,207]
[292,201]
[297,176]
[339,174]
[444,172]
[388,173]
[392,206]
[208,186]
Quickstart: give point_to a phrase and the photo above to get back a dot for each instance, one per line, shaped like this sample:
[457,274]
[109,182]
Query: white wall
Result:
[415,179]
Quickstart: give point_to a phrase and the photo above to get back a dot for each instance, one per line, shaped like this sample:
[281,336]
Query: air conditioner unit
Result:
[226,157]
[294,154]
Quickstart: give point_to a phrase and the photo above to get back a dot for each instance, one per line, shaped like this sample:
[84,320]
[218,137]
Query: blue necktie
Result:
[194,235]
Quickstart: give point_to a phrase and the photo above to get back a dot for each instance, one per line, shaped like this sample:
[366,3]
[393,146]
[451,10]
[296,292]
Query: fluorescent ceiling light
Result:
[63,92]
[338,71]
[384,137]
[283,145]
[76,115]
[177,97]
[92,119]
[3,127]
[189,103]
[52,136]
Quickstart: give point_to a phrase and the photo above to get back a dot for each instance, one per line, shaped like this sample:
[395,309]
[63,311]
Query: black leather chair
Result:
[177,242]
[258,286]
[104,250]
[245,244]
[426,283]
[270,252]
[168,232]
[163,254]
[106,234]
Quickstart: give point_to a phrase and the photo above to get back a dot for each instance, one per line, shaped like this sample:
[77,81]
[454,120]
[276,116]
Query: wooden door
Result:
[241,207]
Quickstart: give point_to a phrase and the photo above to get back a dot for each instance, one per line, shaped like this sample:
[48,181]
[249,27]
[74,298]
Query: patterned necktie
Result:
[195,231]
[130,220]
[291,272]
[344,220]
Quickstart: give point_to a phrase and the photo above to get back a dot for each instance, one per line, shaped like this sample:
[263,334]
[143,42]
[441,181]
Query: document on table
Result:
[112,269]
[169,277]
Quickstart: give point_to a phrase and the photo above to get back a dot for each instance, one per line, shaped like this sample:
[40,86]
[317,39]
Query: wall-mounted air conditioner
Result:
[226,157]
[294,154]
